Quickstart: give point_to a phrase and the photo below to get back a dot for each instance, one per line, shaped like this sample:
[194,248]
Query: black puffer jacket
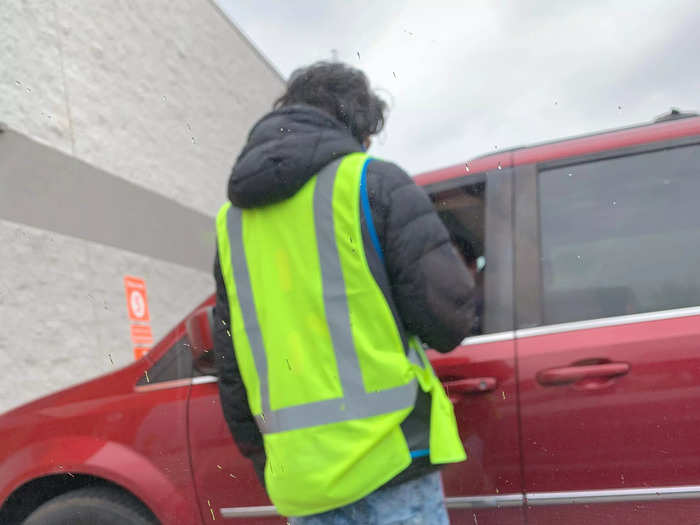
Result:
[429,287]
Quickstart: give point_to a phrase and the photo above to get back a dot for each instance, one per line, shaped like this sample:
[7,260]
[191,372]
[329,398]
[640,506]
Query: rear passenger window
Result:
[621,236]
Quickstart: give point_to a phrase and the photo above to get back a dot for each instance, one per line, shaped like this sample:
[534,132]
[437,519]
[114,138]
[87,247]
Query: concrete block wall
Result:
[160,94]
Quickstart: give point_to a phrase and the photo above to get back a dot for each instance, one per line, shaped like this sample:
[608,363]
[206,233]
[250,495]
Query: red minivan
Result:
[577,395]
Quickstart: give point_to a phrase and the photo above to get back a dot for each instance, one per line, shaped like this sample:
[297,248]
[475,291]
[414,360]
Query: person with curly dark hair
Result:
[332,267]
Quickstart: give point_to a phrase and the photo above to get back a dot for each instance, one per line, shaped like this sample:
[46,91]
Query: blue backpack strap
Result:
[366,210]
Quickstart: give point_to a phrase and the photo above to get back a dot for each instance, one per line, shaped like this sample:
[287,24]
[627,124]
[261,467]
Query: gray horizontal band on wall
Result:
[44,188]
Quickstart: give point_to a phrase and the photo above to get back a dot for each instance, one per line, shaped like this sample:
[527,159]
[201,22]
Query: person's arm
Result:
[234,399]
[432,288]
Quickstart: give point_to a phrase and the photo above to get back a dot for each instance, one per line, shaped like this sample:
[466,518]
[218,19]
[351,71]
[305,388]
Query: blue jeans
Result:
[415,502]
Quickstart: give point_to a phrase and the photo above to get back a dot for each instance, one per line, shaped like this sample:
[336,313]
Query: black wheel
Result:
[92,506]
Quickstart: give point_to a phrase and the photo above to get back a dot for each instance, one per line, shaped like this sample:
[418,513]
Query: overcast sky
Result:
[466,78]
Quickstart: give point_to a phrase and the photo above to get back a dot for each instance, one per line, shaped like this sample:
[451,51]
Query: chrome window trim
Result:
[248,512]
[200,380]
[582,325]
[162,385]
[612,495]
[488,338]
[176,383]
[607,321]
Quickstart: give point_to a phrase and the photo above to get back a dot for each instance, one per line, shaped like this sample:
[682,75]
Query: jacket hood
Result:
[284,150]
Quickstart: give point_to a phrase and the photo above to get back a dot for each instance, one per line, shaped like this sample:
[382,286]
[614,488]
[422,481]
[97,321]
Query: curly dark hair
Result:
[340,90]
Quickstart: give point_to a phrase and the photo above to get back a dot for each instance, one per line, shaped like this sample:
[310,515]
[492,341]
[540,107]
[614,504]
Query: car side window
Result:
[477,211]
[620,236]
[176,363]
[463,211]
[206,365]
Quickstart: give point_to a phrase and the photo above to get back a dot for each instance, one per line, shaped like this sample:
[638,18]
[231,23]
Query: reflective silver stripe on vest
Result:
[334,300]
[356,403]
[245,299]
[368,404]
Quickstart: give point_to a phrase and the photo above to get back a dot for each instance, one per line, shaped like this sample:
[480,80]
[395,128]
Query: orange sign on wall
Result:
[140,351]
[136,299]
[141,334]
[137,307]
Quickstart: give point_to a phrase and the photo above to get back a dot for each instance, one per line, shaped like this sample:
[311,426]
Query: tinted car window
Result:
[176,363]
[621,236]
[463,211]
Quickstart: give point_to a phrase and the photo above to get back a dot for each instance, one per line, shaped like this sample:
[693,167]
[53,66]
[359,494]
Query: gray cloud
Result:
[468,79]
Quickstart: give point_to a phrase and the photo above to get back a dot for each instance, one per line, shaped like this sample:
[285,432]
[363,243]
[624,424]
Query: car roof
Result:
[665,127]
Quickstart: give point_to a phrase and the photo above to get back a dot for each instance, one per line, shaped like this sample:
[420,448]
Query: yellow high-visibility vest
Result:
[328,378]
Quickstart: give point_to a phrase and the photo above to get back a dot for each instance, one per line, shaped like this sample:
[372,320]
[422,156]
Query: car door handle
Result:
[473,385]
[570,374]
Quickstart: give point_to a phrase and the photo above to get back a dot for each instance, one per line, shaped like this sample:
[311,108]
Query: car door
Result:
[608,339]
[154,424]
[227,486]
[479,376]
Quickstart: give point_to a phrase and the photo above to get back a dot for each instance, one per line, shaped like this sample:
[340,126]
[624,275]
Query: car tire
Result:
[92,506]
